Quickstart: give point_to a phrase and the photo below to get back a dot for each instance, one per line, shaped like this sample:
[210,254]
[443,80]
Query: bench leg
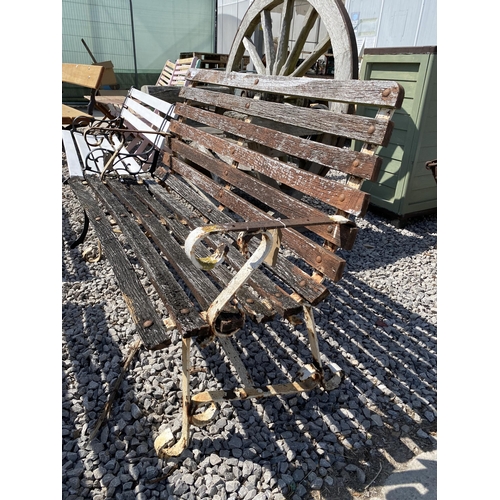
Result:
[311,376]
[166,436]
[334,374]
[83,234]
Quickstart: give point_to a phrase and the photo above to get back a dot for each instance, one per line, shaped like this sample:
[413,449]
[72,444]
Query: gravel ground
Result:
[379,325]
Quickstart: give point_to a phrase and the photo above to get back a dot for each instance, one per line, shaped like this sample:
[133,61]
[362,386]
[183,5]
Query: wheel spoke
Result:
[254,56]
[318,51]
[284,38]
[294,55]
[267,29]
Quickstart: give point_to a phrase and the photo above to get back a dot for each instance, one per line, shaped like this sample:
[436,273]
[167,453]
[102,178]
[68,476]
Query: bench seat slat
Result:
[301,282]
[337,195]
[136,298]
[351,91]
[199,283]
[180,307]
[317,120]
[366,166]
[258,311]
[266,288]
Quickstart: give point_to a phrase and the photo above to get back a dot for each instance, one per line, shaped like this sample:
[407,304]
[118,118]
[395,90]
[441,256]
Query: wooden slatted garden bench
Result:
[222,246]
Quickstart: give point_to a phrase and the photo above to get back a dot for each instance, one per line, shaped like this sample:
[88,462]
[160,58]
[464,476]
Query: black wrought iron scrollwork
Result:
[113,149]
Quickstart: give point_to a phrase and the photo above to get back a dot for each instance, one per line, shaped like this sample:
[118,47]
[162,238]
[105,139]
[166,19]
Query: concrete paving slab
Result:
[416,481]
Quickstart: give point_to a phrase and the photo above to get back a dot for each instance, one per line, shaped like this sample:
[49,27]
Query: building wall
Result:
[377,23]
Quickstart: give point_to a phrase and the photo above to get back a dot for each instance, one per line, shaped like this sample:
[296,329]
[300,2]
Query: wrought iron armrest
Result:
[266,251]
[107,144]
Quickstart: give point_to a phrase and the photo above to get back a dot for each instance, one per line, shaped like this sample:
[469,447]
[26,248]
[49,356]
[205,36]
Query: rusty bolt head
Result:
[185,311]
[302,283]
[250,300]
[256,81]
[329,229]
[342,197]
[371,129]
[147,323]
[356,163]
[319,259]
[386,93]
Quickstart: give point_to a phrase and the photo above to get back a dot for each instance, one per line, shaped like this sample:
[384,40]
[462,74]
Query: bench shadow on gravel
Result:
[86,385]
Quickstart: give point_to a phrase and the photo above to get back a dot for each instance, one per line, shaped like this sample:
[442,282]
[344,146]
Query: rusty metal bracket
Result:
[208,263]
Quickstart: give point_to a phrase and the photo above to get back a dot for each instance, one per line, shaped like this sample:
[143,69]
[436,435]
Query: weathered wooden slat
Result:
[318,257]
[136,298]
[329,191]
[198,282]
[353,126]
[181,309]
[301,282]
[289,206]
[376,92]
[258,311]
[265,287]
[344,160]
[177,257]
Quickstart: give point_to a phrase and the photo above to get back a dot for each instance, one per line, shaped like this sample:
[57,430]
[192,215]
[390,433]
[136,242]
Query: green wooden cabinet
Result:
[405,187]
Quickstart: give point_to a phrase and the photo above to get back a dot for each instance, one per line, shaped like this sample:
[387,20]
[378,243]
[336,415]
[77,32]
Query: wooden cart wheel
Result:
[282,53]
[282,59]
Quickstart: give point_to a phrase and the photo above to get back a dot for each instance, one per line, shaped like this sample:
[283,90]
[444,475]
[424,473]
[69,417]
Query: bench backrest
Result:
[271,139]
[174,73]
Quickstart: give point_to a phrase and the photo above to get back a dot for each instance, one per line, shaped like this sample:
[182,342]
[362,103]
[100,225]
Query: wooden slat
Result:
[72,158]
[85,75]
[265,287]
[351,91]
[317,120]
[329,191]
[344,160]
[309,289]
[181,309]
[257,310]
[161,105]
[198,281]
[136,298]
[291,207]
[318,257]
[69,114]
